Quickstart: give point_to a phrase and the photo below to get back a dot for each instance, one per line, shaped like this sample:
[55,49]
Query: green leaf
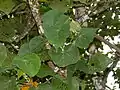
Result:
[60,5]
[82,66]
[24,49]
[3,54]
[45,71]
[35,45]
[75,83]
[117,75]
[57,84]
[43,86]
[29,63]
[9,28]
[70,71]
[98,62]
[8,61]
[83,84]
[69,55]
[6,5]
[85,37]
[7,83]
[74,26]
[64,80]
[56,27]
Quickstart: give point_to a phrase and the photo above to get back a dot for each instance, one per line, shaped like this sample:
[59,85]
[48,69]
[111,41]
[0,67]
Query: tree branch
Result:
[34,7]
[108,43]
[61,72]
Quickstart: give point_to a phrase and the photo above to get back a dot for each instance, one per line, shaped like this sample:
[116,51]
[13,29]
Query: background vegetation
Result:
[58,44]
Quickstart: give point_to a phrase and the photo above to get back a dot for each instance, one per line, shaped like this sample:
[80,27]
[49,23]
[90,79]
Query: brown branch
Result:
[108,43]
[61,72]
[34,7]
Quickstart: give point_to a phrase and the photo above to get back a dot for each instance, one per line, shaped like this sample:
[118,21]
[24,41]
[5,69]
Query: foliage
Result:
[69,31]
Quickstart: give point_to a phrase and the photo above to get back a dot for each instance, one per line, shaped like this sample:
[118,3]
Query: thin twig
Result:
[108,87]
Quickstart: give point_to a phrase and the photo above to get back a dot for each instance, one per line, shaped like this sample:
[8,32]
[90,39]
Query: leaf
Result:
[83,84]
[43,86]
[19,73]
[8,61]
[117,75]
[24,49]
[29,63]
[56,27]
[75,84]
[6,5]
[9,28]
[45,71]
[82,66]
[60,5]
[35,45]
[62,58]
[74,26]
[58,84]
[7,83]
[70,71]
[98,62]
[58,76]
[55,84]
[85,37]
[3,54]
